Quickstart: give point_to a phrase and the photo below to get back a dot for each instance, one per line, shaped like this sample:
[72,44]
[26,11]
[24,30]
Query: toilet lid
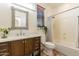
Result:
[49,43]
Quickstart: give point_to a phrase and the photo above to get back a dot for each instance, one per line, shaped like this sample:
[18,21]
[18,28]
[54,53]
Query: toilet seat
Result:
[49,45]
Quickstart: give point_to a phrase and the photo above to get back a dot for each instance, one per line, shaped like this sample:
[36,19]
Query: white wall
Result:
[5,15]
[6,18]
[66,26]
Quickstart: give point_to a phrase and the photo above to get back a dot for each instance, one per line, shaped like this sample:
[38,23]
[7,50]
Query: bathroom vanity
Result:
[20,47]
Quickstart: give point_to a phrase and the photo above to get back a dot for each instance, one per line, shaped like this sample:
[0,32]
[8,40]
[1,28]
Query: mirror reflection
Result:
[20,18]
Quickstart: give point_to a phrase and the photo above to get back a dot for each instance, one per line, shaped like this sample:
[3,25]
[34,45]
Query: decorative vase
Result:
[4,36]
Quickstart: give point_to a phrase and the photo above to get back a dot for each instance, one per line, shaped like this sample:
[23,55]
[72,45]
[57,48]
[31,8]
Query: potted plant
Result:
[45,29]
[4,31]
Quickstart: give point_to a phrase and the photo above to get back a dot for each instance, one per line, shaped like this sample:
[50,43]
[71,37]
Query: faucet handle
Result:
[23,33]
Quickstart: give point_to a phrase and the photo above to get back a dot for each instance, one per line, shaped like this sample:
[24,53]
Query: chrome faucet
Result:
[20,33]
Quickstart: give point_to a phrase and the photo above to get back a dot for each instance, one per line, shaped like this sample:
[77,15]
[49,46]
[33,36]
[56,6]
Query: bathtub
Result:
[67,51]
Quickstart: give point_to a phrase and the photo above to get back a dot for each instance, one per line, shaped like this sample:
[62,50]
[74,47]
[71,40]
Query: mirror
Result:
[19,19]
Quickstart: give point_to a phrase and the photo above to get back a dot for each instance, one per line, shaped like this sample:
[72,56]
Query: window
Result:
[40,16]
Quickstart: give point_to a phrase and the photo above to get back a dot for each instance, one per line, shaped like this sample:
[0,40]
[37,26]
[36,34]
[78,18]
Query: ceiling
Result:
[54,5]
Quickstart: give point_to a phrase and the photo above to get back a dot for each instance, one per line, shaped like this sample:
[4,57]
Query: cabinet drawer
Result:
[4,49]
[37,41]
[37,46]
[4,44]
[4,54]
[37,38]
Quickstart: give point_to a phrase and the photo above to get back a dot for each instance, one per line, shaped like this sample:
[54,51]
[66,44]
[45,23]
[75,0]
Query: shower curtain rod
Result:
[53,16]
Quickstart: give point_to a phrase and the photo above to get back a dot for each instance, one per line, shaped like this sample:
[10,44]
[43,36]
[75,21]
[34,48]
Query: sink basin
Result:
[50,45]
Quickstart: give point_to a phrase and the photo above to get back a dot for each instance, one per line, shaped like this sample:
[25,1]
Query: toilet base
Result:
[46,51]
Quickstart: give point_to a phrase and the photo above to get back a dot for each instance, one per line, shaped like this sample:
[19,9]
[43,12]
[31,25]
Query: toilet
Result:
[49,48]
[50,45]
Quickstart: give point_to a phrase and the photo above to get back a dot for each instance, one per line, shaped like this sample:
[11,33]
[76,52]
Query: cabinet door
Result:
[28,47]
[17,48]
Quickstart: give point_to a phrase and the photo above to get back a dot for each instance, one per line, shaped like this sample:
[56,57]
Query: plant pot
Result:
[4,36]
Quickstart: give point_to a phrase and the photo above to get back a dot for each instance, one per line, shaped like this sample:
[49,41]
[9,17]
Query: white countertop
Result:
[17,38]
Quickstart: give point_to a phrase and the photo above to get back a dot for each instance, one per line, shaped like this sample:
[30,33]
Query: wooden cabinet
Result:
[17,48]
[23,47]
